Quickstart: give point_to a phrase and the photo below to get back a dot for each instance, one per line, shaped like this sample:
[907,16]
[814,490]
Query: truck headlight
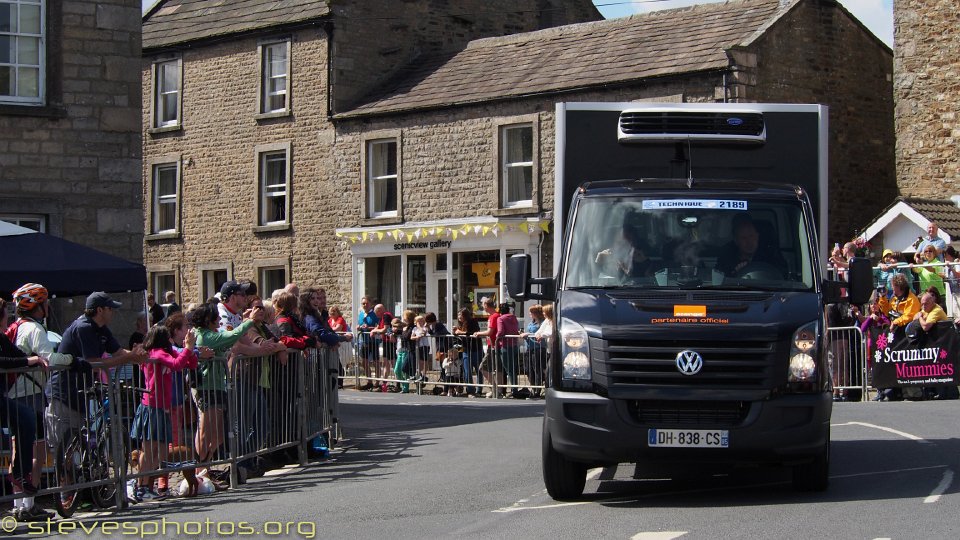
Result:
[575,351]
[803,347]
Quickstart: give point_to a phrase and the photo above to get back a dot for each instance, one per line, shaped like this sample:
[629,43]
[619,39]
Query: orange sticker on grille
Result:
[689,311]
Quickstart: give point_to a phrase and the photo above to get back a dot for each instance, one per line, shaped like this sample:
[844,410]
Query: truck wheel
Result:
[813,476]
[564,478]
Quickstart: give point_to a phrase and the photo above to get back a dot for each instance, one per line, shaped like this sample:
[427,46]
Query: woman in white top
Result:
[545,334]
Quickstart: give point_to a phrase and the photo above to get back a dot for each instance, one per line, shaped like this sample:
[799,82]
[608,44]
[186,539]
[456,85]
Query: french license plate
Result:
[688,438]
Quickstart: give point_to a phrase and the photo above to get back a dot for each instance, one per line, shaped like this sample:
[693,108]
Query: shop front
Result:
[441,266]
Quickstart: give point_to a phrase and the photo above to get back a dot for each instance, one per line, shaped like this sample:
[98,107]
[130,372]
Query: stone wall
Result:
[927,64]
[373,39]
[76,160]
[818,54]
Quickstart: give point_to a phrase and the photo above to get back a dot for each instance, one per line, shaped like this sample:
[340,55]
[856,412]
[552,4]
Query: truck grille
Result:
[734,365]
[705,125]
[689,413]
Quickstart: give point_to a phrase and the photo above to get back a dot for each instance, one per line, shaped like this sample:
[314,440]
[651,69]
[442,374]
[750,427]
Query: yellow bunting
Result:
[353,239]
[525,227]
[485,230]
[500,227]
[379,235]
[409,237]
[545,225]
[455,233]
[338,234]
[365,236]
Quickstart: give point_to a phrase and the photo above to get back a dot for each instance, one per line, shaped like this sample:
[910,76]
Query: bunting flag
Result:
[338,234]
[379,235]
[455,233]
[485,230]
[409,237]
[477,229]
[545,225]
[416,234]
[353,239]
[365,235]
[525,227]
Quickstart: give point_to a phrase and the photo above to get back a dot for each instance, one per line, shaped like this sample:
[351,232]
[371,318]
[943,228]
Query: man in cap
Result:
[87,339]
[234,300]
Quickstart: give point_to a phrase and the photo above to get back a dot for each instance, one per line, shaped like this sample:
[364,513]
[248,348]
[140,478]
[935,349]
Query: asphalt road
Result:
[423,466]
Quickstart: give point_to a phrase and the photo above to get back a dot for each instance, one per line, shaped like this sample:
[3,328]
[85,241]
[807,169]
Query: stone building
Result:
[927,66]
[238,138]
[70,145]
[408,159]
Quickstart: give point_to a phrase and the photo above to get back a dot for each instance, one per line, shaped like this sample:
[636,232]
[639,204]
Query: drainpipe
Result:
[328,29]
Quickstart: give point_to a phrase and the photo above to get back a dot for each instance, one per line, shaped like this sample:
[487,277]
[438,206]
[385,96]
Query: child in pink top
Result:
[152,424]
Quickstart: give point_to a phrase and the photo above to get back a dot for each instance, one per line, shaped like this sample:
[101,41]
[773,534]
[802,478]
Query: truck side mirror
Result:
[860,280]
[519,281]
[518,277]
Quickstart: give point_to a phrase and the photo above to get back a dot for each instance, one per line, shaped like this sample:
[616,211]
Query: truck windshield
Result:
[672,243]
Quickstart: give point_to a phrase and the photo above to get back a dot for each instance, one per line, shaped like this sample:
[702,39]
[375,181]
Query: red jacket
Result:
[293,334]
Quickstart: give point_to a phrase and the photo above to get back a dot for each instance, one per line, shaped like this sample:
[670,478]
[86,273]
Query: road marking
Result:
[661,535]
[903,434]
[893,471]
[941,487]
[543,507]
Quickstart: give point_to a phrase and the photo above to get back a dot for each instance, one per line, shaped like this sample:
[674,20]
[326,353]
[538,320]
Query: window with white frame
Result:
[166,107]
[166,183]
[275,77]
[163,282]
[274,187]
[382,177]
[272,278]
[516,165]
[30,221]
[212,279]
[22,52]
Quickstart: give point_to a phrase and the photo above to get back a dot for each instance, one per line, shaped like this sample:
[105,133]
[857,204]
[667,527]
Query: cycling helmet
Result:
[30,296]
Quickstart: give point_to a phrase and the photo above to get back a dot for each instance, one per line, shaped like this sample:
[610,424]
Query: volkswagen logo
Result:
[689,362]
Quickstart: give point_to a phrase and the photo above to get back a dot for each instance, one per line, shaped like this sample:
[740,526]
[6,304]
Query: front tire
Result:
[564,479]
[815,475]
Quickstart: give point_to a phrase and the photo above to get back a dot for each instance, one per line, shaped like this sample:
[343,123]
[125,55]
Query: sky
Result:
[877,15]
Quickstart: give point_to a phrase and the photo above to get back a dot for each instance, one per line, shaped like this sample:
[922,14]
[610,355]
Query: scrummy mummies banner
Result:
[931,360]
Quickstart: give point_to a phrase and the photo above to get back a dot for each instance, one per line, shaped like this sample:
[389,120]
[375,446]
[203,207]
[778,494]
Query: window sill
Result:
[377,221]
[174,235]
[164,129]
[271,115]
[10,109]
[516,211]
[273,227]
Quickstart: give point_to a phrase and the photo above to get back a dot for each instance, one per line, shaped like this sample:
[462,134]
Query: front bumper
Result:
[593,429]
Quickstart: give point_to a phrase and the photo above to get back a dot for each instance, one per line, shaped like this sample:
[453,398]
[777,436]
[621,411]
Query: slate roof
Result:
[173,22]
[944,211]
[576,56]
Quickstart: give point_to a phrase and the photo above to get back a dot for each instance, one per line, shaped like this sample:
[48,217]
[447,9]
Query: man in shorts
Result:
[86,340]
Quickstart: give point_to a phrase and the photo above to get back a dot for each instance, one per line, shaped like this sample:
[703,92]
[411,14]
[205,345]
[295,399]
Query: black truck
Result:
[689,290]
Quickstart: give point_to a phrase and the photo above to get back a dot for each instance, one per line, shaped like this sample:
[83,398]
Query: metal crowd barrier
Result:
[847,359]
[235,410]
[446,364]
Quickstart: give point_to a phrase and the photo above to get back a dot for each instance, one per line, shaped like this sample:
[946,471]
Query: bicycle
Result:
[86,456]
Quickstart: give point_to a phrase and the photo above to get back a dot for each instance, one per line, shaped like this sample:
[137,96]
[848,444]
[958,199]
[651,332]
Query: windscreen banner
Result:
[929,359]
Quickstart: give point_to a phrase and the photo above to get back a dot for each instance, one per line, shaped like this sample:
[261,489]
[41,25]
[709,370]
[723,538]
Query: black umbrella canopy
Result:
[63,267]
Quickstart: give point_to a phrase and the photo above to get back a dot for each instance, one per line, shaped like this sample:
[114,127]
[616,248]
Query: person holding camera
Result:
[903,306]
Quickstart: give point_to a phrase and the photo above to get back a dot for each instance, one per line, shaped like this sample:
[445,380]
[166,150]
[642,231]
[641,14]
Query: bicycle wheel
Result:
[69,460]
[102,467]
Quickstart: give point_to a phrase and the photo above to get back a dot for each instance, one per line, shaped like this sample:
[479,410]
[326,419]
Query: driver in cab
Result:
[745,251]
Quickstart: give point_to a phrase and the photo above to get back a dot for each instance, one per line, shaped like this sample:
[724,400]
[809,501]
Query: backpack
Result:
[11,334]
